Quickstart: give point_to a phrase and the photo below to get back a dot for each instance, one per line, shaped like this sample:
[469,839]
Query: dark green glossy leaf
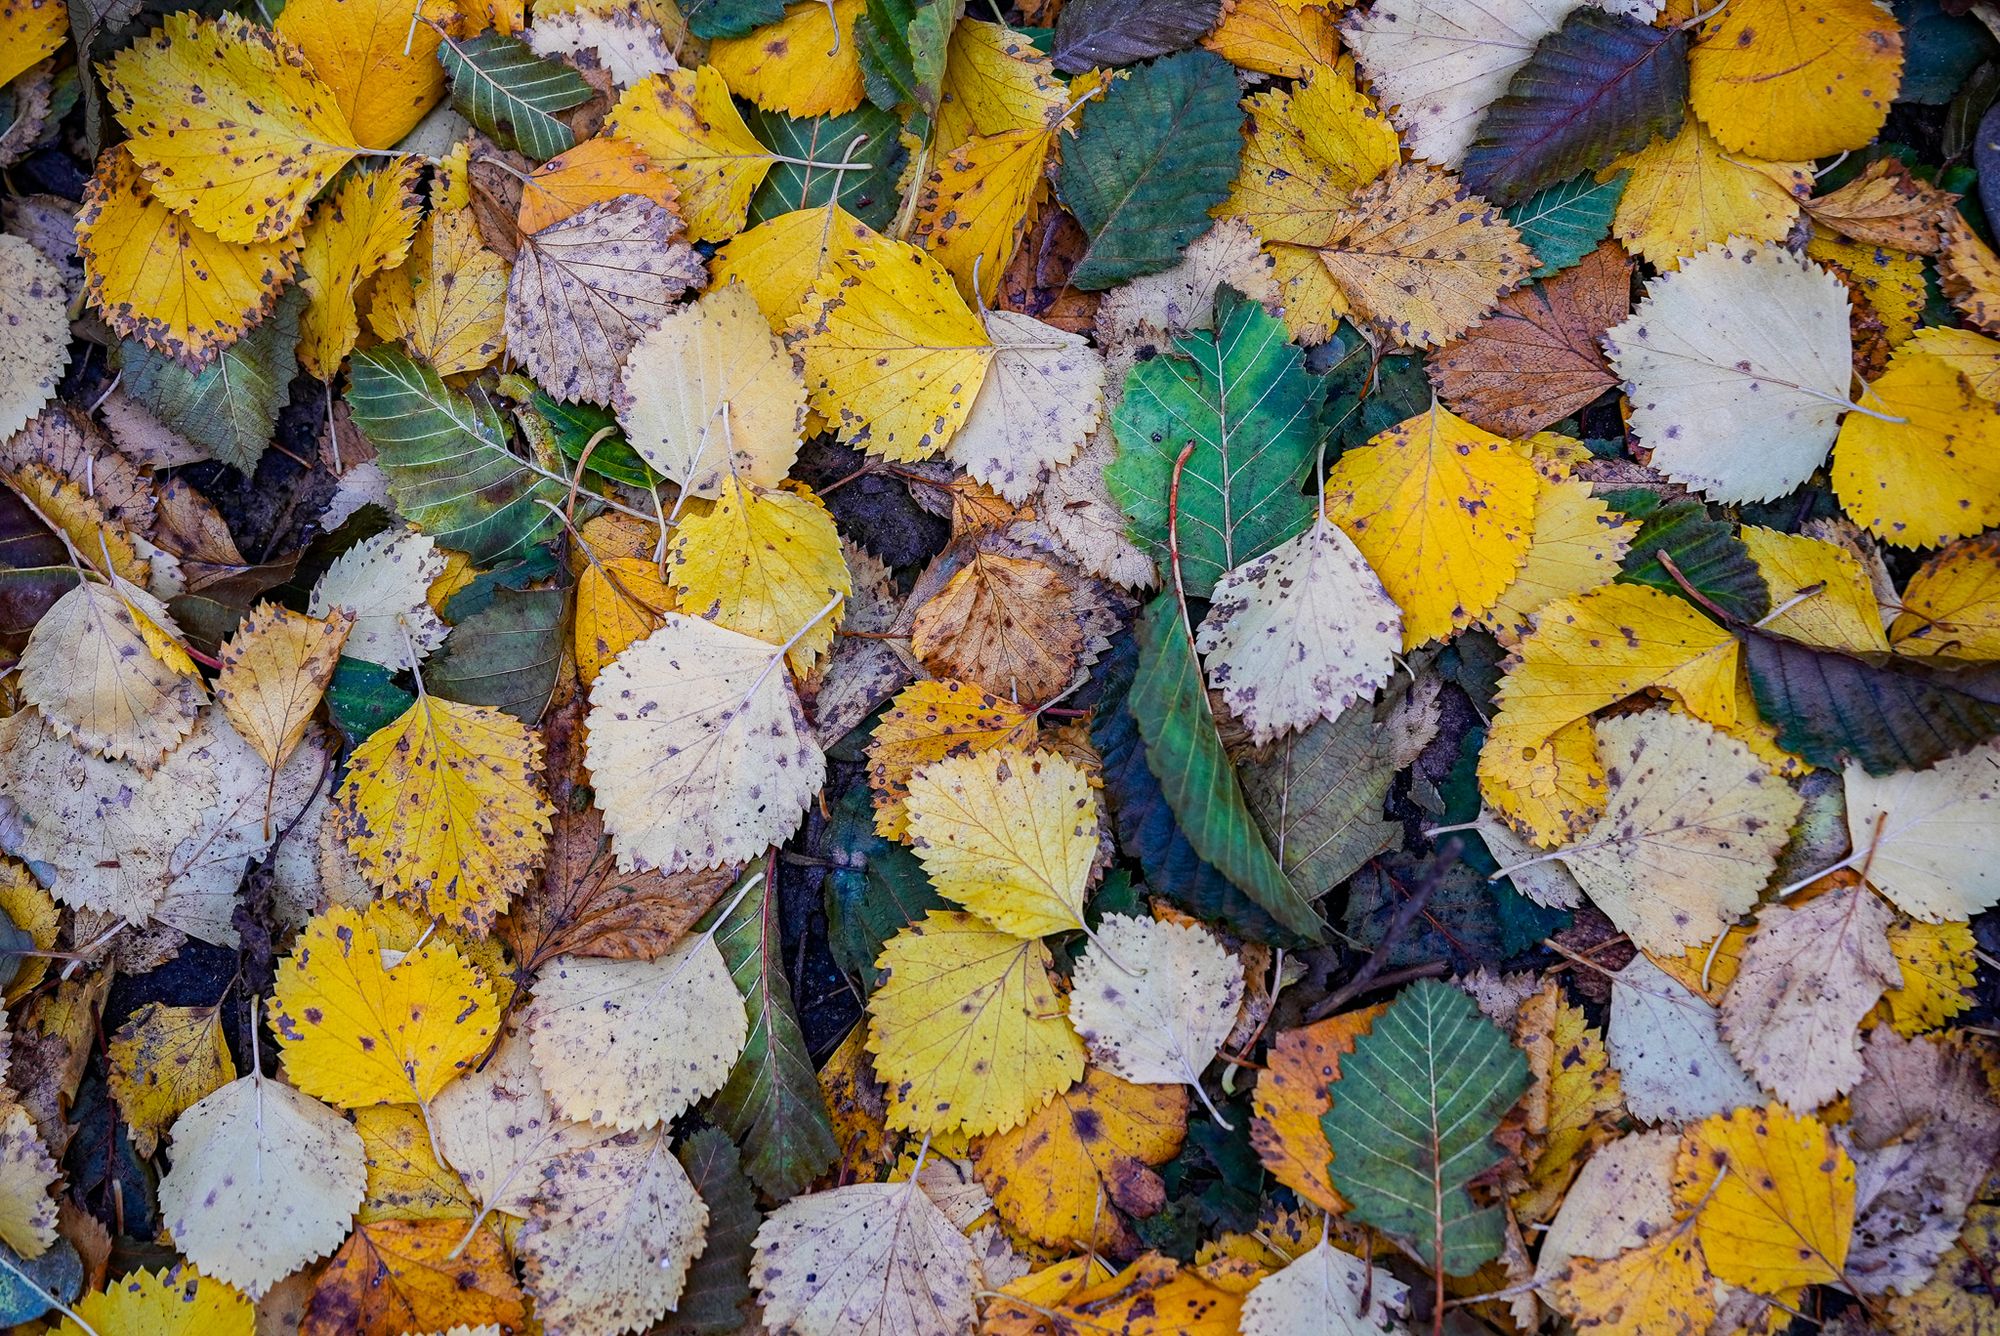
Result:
[1566,222]
[1317,795]
[572,427]
[228,405]
[867,134]
[363,699]
[716,1298]
[1704,549]
[513,94]
[710,19]
[902,48]
[506,655]
[875,889]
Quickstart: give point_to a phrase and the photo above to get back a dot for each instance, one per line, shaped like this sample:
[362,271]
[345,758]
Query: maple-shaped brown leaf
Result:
[1886,206]
[1537,359]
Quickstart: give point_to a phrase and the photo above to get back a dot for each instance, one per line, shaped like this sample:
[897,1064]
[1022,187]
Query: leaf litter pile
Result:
[1087,666]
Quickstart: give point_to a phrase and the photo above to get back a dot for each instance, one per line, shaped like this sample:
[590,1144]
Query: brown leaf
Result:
[1886,206]
[496,195]
[1537,359]
[1036,281]
[397,1276]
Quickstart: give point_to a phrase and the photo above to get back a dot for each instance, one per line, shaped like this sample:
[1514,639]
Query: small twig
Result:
[1688,588]
[1406,914]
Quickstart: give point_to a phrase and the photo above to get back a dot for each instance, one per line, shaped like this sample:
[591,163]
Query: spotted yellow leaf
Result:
[1689,192]
[1796,78]
[364,227]
[686,122]
[806,64]
[377,60]
[765,563]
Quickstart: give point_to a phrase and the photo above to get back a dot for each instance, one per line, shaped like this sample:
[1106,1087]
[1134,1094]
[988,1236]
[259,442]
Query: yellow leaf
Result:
[1970,274]
[965,1028]
[1577,545]
[1421,259]
[357,1030]
[709,398]
[780,260]
[1891,281]
[975,203]
[893,356]
[1308,152]
[1842,616]
[34,911]
[1063,1176]
[1659,1288]
[1154,1296]
[618,600]
[1008,835]
[1586,653]
[380,64]
[686,122]
[995,81]
[1971,354]
[413,1276]
[1442,510]
[1951,606]
[1292,1093]
[88,668]
[1930,475]
[928,722]
[362,228]
[1275,37]
[27,1211]
[229,124]
[1938,968]
[181,1302]
[594,171]
[1773,1197]
[448,301]
[806,64]
[1796,78]
[274,670]
[1687,193]
[1573,1105]
[404,1179]
[29,31]
[764,563]
[158,278]
[163,1061]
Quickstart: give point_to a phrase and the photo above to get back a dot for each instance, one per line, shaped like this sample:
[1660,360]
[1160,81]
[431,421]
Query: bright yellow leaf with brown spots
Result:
[162,1062]
[1308,151]
[27,1210]
[1577,545]
[360,1026]
[1573,1105]
[686,122]
[364,227]
[1275,37]
[35,912]
[1443,511]
[1890,281]
[1291,1095]
[156,277]
[1921,466]
[181,1302]
[779,261]
[763,563]
[404,1179]
[1951,606]
[928,722]
[1772,1193]
[806,64]
[274,671]
[1939,967]
[229,124]
[975,203]
[1152,1297]
[413,1276]
[448,301]
[1971,354]
[1659,1288]
[30,30]
[1689,192]
[378,61]
[894,357]
[618,600]
[1063,1176]
[965,1028]
[1796,78]
[1842,616]
[442,807]
[995,81]
[596,170]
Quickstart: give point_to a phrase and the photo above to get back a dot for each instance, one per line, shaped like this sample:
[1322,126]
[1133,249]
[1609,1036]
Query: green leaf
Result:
[717,1294]
[1412,1123]
[512,94]
[229,405]
[772,1102]
[1566,222]
[1367,392]
[1170,702]
[902,49]
[1318,795]
[710,19]
[449,468]
[1155,154]
[1109,33]
[506,655]
[1242,397]
[363,699]
[875,890]
[572,427]
[57,1272]
[1886,714]
[1600,86]
[869,195]
[1703,548]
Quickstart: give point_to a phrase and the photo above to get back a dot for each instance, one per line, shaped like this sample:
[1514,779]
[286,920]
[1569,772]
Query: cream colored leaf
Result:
[1666,1042]
[865,1258]
[264,1180]
[608,1244]
[1620,1198]
[274,670]
[634,1043]
[1731,400]
[1154,1001]
[1042,397]
[1930,839]
[1437,65]
[496,1127]
[384,582]
[1807,979]
[1690,834]
[1300,633]
[34,332]
[89,668]
[1326,1292]
[709,393]
[1077,507]
[698,750]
